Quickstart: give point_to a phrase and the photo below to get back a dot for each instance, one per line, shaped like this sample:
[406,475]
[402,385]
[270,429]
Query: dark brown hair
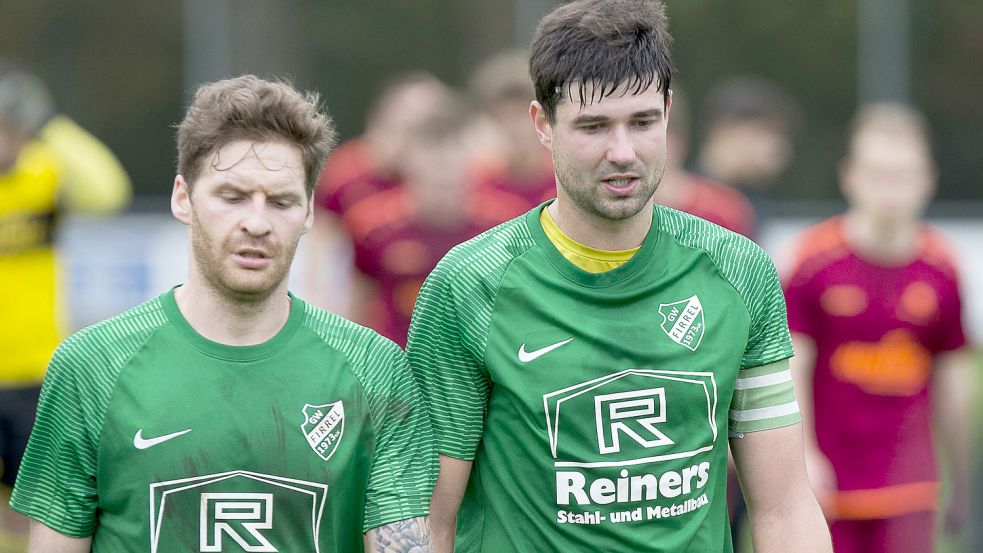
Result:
[600,46]
[250,108]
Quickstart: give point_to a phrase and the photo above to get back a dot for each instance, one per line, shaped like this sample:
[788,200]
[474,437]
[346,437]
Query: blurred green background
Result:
[123,69]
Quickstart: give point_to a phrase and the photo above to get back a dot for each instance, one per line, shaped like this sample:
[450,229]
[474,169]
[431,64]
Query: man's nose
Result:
[621,149]
[256,221]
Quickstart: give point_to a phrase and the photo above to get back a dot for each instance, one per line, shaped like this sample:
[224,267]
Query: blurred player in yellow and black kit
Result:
[48,165]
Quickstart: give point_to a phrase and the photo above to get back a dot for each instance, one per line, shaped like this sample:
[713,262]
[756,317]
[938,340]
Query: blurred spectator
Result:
[400,234]
[48,165]
[679,189]
[875,311]
[514,169]
[748,136]
[358,168]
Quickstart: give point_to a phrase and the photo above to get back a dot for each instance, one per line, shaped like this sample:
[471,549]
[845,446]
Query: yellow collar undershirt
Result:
[587,258]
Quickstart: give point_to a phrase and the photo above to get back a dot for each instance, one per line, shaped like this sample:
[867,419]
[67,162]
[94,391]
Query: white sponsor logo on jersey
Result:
[245,518]
[527,356]
[631,416]
[647,422]
[324,426]
[241,516]
[140,442]
[683,322]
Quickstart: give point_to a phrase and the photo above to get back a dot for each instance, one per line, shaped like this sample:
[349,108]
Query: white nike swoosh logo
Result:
[140,443]
[527,356]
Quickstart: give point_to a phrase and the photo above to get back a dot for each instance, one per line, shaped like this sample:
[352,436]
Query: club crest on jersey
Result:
[323,426]
[682,321]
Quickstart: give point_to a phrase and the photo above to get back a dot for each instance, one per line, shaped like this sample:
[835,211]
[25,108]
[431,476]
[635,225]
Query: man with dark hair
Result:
[585,362]
[226,414]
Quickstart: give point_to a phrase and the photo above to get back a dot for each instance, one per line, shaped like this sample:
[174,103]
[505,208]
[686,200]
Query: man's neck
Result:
[600,233]
[232,321]
[881,242]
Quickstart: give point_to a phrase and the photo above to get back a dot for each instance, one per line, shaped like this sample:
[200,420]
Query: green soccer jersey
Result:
[150,437]
[597,407]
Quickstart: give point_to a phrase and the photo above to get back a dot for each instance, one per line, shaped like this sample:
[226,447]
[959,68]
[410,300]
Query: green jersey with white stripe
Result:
[150,437]
[597,407]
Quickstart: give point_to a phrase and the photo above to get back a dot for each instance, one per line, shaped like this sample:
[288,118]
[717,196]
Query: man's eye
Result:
[232,199]
[592,128]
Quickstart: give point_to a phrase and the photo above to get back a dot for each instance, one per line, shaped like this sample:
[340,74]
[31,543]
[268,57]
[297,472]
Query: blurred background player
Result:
[512,168]
[360,167]
[48,166]
[400,234]
[680,189]
[748,137]
[875,311]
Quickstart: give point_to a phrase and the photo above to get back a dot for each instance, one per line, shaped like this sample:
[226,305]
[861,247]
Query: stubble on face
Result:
[581,165]
[211,253]
[585,190]
[215,241]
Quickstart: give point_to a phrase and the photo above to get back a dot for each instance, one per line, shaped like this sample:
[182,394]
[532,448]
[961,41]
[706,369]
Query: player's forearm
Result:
[404,536]
[798,521]
[46,540]
[954,390]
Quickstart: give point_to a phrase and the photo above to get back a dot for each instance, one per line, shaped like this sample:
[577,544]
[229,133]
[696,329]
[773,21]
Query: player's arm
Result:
[818,467]
[46,540]
[781,505]
[451,483]
[403,536]
[96,181]
[456,387]
[954,388]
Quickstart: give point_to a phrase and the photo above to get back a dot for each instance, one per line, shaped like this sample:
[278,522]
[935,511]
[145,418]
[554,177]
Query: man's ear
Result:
[542,125]
[309,222]
[181,200]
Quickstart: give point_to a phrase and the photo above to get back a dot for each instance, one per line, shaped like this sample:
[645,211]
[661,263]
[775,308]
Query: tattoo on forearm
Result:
[405,536]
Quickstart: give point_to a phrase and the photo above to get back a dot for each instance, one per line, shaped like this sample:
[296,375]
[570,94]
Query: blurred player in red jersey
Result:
[714,201]
[513,174]
[875,314]
[400,234]
[358,168]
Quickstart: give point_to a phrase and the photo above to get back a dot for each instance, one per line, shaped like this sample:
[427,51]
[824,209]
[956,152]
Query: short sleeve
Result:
[404,464]
[800,304]
[56,483]
[950,334]
[445,360]
[769,340]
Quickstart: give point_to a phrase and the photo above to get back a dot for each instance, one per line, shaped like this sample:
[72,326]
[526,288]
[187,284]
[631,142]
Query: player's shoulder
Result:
[108,344]
[717,191]
[378,210]
[936,250]
[487,254]
[359,344]
[727,249]
[816,247]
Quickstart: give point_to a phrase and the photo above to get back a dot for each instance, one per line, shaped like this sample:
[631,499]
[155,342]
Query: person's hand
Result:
[822,477]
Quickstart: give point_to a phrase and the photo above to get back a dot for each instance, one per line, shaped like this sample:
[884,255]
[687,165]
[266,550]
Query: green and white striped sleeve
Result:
[763,394]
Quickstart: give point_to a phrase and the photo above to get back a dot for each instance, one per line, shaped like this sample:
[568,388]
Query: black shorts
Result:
[17,409]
